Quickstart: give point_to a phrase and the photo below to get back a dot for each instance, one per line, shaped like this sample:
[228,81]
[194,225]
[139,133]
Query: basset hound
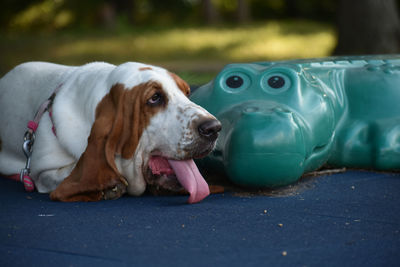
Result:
[111,130]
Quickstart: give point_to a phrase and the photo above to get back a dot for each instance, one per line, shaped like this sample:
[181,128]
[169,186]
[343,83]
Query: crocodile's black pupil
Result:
[276,82]
[234,81]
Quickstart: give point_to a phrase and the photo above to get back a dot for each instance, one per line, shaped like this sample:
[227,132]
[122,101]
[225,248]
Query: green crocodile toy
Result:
[283,119]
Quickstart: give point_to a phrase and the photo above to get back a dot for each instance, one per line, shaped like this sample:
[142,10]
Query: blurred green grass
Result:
[195,53]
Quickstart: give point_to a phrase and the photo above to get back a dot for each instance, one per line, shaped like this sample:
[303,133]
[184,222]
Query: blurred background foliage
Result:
[194,38]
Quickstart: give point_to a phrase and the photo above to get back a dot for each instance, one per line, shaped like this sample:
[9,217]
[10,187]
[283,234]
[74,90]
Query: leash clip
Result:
[29,139]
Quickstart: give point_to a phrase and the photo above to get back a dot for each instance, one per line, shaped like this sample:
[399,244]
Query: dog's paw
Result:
[115,192]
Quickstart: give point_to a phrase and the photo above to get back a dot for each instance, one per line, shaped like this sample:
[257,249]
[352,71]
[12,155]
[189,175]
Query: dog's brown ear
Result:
[182,85]
[121,117]
[95,174]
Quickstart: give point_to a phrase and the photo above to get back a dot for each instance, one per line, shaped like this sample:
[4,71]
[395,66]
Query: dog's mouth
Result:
[165,176]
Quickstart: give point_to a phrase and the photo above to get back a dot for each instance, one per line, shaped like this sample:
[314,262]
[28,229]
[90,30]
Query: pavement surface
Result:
[345,219]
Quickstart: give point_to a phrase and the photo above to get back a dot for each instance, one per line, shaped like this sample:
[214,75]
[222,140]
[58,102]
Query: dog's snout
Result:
[209,129]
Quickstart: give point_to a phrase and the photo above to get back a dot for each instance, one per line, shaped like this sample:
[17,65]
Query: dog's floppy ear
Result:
[96,171]
[182,85]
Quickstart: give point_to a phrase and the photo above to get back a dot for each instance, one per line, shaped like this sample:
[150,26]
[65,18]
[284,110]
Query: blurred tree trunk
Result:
[107,15]
[210,13]
[111,9]
[243,11]
[368,27]
[126,7]
[291,8]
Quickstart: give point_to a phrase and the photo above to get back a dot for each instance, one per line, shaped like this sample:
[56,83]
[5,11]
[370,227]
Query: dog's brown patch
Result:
[121,117]
[182,85]
[145,68]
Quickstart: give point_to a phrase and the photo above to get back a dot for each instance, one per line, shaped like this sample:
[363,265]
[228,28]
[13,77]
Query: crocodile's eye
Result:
[276,81]
[234,81]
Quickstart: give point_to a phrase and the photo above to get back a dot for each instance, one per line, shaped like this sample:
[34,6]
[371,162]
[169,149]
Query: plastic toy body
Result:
[282,119]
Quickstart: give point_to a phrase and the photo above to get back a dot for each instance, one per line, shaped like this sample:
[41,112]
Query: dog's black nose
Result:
[209,129]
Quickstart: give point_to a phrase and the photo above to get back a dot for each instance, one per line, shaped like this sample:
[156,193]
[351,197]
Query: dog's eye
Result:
[155,99]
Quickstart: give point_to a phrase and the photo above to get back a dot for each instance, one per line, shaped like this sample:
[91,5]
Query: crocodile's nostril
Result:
[250,109]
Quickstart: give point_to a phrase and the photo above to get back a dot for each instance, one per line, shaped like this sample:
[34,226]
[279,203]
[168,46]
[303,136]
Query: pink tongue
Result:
[187,174]
[190,178]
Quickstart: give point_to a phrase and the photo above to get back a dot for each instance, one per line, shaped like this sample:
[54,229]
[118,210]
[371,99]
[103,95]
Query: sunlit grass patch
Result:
[278,41]
[192,51]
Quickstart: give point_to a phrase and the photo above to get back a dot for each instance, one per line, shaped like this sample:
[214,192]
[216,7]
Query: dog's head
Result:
[146,134]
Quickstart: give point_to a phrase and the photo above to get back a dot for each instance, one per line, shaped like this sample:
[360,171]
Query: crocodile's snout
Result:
[265,147]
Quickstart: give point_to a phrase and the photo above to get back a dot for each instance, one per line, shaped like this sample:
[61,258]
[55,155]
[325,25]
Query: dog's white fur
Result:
[28,85]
